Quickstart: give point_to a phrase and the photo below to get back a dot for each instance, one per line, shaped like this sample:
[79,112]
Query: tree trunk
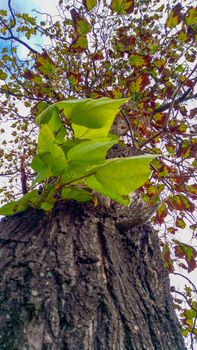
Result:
[84,278]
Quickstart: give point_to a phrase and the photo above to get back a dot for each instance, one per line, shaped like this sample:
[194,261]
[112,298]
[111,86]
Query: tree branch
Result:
[182,98]
[170,105]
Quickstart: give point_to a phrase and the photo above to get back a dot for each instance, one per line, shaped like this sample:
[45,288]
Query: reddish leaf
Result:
[122,6]
[183,266]
[137,60]
[171,148]
[98,56]
[160,63]
[193,112]
[172,230]
[161,213]
[168,263]
[74,78]
[180,202]
[178,128]
[159,119]
[179,252]
[174,17]
[183,250]
[183,111]
[187,149]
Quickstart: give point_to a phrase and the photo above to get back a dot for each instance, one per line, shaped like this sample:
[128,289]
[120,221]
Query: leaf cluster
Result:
[76,168]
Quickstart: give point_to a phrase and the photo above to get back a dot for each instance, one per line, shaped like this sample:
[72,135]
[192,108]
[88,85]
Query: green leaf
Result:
[191,18]
[44,173]
[3,75]
[30,199]
[3,12]
[94,184]
[81,43]
[37,163]
[76,173]
[81,132]
[55,123]
[77,194]
[172,20]
[40,107]
[90,152]
[54,154]
[66,146]
[44,64]
[89,4]
[194,163]
[125,175]
[46,139]
[60,136]
[47,206]
[180,222]
[174,17]
[92,114]
[48,113]
[83,26]
[122,6]
[9,208]
[137,60]
[185,332]
[189,251]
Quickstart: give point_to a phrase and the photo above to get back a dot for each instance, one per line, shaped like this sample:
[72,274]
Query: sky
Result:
[28,6]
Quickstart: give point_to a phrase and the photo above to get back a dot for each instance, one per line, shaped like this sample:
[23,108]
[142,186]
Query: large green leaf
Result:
[81,132]
[66,146]
[44,173]
[51,117]
[76,173]
[90,152]
[94,184]
[46,139]
[37,163]
[44,117]
[53,154]
[91,113]
[124,175]
[60,135]
[54,122]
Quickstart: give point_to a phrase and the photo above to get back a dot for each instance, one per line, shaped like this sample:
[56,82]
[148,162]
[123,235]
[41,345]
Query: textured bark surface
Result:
[83,278]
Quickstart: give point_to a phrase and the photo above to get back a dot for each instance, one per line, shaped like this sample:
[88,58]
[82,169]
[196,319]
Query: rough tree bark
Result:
[84,278]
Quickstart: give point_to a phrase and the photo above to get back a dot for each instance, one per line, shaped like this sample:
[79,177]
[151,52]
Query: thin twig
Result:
[193,285]
[170,106]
